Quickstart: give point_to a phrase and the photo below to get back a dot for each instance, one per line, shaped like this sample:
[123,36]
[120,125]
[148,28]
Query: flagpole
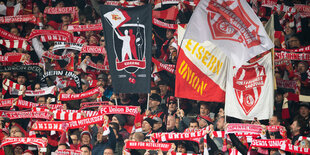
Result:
[148,100]
[115,101]
[178,100]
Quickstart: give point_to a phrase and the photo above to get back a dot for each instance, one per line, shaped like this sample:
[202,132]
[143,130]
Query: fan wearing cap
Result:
[164,90]
[154,109]
[121,120]
[171,105]
[147,126]
[158,125]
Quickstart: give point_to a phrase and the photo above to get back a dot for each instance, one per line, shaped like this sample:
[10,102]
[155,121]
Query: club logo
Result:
[129,44]
[248,81]
[229,21]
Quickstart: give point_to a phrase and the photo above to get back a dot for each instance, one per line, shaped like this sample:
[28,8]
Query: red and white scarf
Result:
[87,112]
[294,56]
[160,66]
[288,84]
[67,152]
[10,85]
[269,143]
[148,145]
[81,28]
[113,109]
[6,102]
[52,56]
[18,19]
[41,92]
[60,10]
[295,149]
[282,62]
[28,105]
[93,104]
[9,36]
[243,128]
[86,121]
[91,64]
[16,44]
[304,10]
[78,40]
[93,49]
[30,114]
[69,97]
[159,3]
[162,24]
[66,116]
[24,140]
[13,58]
[52,35]
[48,126]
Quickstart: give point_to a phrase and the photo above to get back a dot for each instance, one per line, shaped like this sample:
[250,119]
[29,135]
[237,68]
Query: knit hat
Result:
[150,121]
[121,119]
[155,97]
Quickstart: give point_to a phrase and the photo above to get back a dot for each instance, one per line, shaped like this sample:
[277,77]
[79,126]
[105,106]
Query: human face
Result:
[13,131]
[85,151]
[102,42]
[302,68]
[204,111]
[18,150]
[41,100]
[99,134]
[74,139]
[114,119]
[304,111]
[172,106]
[108,152]
[202,123]
[181,149]
[18,134]
[153,103]
[85,139]
[274,121]
[70,91]
[163,89]
[15,31]
[157,125]
[170,122]
[193,126]
[146,127]
[294,128]
[61,147]
[21,80]
[220,124]
[288,30]
[37,87]
[293,43]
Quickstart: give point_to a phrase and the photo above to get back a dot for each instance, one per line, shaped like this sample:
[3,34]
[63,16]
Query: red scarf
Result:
[67,152]
[163,24]
[24,140]
[113,109]
[14,58]
[80,28]
[30,114]
[7,35]
[18,19]
[66,116]
[93,49]
[69,97]
[48,126]
[168,14]
[97,66]
[41,92]
[93,104]
[52,56]
[52,35]
[295,149]
[243,128]
[301,50]
[282,62]
[148,145]
[61,10]
[294,56]
[86,121]
[287,84]
[16,44]
[6,102]
[9,85]
[269,143]
[160,66]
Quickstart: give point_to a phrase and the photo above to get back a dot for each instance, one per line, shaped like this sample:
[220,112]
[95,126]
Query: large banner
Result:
[128,43]
[201,72]
[249,90]
[232,26]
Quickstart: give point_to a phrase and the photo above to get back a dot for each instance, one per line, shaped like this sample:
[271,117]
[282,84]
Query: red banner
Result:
[148,145]
[130,63]
[6,102]
[128,110]
[24,140]
[69,97]
[80,28]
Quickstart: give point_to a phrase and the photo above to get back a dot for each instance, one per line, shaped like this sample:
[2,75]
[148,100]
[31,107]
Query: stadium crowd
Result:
[163,112]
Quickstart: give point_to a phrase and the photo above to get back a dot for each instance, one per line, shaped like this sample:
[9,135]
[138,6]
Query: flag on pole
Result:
[232,26]
[128,43]
[249,89]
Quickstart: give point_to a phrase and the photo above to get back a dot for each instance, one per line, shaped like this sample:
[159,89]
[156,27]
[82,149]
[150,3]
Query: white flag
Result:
[249,90]
[117,17]
[232,26]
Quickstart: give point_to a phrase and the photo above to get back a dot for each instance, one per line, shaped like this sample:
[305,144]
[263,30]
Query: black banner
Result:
[128,33]
[72,75]
[24,68]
